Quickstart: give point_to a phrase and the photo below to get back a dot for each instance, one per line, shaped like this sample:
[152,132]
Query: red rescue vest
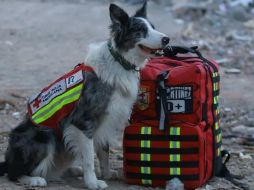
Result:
[57,100]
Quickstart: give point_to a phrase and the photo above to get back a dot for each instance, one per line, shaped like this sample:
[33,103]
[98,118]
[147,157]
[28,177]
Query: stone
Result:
[243,131]
[233,35]
[244,3]
[174,184]
[233,71]
[249,122]
[223,61]
[9,43]
[195,10]
[245,156]
[249,24]
[16,115]
[209,187]
[240,14]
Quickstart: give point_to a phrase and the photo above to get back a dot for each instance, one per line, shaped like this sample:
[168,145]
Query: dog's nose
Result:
[165,41]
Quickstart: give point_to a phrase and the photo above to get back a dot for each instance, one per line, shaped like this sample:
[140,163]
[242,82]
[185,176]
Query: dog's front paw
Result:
[33,181]
[38,182]
[96,185]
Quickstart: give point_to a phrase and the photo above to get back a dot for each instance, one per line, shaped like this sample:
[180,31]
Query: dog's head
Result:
[135,37]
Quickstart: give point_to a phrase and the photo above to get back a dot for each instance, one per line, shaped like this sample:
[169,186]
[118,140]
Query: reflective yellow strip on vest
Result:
[145,157]
[56,104]
[175,157]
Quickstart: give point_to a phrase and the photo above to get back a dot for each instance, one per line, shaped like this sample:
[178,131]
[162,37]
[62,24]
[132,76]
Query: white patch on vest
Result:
[74,79]
[46,96]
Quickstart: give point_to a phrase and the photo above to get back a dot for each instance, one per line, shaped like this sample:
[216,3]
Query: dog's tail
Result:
[3,168]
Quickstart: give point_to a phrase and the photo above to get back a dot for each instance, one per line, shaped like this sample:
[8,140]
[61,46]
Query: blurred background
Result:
[42,39]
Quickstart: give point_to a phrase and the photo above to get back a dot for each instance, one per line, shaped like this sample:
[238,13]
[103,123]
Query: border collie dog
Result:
[35,154]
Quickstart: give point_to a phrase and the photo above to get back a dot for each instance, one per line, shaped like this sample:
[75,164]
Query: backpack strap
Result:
[162,99]
[172,51]
[225,173]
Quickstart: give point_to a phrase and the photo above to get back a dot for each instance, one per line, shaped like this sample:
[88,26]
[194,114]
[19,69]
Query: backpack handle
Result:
[172,51]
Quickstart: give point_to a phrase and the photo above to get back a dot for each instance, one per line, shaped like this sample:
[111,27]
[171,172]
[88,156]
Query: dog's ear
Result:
[142,11]
[117,14]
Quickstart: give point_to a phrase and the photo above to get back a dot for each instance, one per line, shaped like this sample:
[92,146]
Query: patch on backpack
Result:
[143,98]
[179,99]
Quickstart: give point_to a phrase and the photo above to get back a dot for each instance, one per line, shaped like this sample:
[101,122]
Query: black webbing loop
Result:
[162,150]
[163,164]
[172,51]
[152,137]
[227,154]
[190,177]
[225,173]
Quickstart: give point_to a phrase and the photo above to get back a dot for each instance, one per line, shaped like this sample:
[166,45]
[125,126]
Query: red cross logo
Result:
[36,103]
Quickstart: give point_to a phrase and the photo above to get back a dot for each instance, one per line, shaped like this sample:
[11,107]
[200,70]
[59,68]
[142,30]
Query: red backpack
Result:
[175,130]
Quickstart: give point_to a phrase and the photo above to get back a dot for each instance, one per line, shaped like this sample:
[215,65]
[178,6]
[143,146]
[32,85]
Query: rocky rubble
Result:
[11,111]
[223,30]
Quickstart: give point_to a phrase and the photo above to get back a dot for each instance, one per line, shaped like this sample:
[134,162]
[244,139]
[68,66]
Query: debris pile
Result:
[223,30]
[10,111]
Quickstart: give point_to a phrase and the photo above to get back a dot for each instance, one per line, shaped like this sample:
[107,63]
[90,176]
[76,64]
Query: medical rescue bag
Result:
[175,125]
[57,100]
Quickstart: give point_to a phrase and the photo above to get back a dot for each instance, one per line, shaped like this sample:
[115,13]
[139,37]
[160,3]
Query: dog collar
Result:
[120,59]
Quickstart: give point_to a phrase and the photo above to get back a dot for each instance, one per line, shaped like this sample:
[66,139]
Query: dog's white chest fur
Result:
[125,85]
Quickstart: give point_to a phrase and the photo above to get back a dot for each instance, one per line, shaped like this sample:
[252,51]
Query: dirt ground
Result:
[41,39]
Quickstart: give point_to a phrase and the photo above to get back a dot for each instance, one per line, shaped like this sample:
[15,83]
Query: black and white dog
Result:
[34,154]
